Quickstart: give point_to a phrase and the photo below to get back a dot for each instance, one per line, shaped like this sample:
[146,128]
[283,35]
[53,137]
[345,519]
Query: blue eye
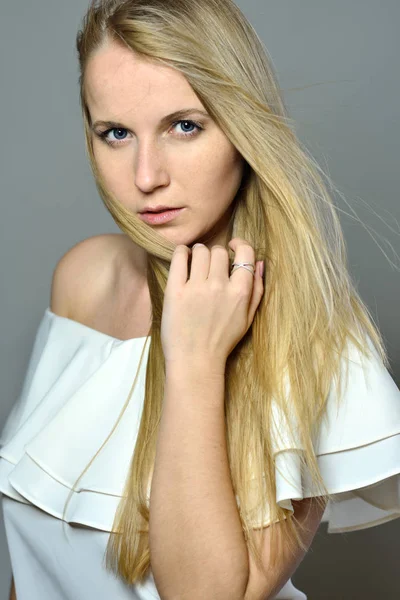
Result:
[105,134]
[191,123]
[120,131]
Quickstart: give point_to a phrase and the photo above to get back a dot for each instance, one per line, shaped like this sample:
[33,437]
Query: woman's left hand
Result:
[207,312]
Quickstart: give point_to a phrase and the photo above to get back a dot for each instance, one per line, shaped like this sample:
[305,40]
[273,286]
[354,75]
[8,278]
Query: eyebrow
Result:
[179,114]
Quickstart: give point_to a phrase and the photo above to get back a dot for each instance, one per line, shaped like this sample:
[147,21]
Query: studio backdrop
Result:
[337,64]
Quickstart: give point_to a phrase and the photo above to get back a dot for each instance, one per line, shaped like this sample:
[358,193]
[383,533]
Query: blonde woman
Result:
[187,420]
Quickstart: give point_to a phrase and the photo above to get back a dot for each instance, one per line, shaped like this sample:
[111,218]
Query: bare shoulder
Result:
[85,271]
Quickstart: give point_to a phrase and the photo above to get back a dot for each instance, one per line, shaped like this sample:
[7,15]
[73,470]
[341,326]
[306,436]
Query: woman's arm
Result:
[12,591]
[197,545]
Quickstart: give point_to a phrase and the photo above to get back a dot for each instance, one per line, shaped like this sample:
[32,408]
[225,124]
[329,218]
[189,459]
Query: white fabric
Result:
[76,384]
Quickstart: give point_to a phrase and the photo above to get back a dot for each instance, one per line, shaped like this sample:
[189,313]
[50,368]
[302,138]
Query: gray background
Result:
[338,65]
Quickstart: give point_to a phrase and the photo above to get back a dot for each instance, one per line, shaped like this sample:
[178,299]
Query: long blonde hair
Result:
[310,308]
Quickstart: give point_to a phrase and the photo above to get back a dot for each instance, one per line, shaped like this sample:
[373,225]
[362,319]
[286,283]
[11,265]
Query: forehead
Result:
[119,83]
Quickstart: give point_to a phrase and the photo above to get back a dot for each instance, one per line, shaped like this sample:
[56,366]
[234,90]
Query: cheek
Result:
[113,170]
[222,173]
[104,160]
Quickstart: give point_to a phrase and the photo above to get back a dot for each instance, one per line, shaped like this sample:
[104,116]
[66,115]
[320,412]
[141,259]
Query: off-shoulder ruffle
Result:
[77,382]
[358,450]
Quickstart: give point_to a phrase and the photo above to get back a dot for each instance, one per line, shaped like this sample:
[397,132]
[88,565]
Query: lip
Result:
[159,208]
[160,218]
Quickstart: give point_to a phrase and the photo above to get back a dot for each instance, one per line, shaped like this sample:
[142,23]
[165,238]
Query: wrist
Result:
[195,368]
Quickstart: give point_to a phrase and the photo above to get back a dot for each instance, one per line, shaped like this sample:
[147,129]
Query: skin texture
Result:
[150,165]
[205,316]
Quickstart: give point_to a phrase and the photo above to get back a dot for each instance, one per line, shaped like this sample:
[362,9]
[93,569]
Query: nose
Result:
[150,167]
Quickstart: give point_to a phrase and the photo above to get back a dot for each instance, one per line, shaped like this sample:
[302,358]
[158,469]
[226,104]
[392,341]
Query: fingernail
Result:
[261,268]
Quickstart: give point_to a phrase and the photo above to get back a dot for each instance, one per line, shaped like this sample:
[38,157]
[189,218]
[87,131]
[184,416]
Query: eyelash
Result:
[103,135]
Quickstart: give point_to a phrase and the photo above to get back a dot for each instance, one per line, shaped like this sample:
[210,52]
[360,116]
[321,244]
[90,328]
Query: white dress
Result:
[76,383]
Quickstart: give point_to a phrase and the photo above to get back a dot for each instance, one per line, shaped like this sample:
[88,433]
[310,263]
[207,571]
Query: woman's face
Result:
[146,160]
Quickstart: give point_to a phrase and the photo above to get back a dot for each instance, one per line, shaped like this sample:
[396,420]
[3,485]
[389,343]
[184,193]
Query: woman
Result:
[198,465]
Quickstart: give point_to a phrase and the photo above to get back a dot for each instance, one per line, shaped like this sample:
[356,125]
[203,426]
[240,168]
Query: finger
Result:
[200,263]
[258,292]
[236,242]
[178,271]
[219,266]
[244,253]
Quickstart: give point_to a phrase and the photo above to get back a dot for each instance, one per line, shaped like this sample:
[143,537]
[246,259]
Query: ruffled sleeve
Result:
[76,384]
[357,448]
[34,386]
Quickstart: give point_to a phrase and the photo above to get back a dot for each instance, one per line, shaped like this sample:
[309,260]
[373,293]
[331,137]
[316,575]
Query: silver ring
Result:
[245,266]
